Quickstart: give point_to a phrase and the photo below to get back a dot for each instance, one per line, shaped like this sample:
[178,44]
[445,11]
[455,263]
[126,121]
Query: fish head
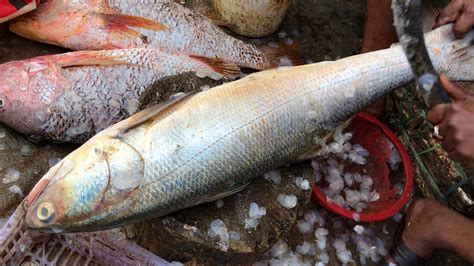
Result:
[89,190]
[54,21]
[27,87]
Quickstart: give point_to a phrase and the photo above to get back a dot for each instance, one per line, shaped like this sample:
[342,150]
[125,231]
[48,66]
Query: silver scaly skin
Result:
[169,158]
[71,97]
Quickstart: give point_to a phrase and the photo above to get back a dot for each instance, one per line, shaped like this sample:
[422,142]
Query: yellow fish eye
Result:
[45,212]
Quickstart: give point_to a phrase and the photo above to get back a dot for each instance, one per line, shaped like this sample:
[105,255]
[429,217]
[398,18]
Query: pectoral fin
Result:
[122,24]
[233,190]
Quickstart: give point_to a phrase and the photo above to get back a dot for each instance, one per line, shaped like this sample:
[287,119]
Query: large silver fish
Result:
[208,145]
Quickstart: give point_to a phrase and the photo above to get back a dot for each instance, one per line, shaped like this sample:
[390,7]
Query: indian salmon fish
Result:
[207,145]
[71,97]
[157,24]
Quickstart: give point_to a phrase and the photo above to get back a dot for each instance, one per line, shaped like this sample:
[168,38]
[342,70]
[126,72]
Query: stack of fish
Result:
[195,148]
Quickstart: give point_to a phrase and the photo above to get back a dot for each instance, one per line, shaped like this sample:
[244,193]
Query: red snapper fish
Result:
[71,97]
[157,24]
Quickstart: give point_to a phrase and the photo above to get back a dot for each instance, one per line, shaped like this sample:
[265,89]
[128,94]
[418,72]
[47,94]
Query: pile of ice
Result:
[324,233]
[350,190]
[255,213]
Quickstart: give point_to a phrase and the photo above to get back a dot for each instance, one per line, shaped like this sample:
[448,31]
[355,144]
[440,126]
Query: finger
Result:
[450,13]
[456,93]
[437,113]
[464,24]
[448,144]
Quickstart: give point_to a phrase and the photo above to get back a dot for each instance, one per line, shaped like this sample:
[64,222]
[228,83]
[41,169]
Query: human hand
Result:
[455,122]
[461,12]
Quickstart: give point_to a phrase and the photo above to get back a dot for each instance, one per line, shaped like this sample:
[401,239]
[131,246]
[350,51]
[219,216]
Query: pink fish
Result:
[71,97]
[157,24]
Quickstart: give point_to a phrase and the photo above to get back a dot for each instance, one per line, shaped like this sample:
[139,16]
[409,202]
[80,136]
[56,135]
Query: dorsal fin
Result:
[143,116]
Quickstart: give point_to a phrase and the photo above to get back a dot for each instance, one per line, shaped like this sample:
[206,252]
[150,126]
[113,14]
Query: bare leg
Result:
[431,226]
[379,34]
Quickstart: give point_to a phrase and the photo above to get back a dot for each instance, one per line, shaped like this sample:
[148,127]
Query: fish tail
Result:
[227,70]
[283,55]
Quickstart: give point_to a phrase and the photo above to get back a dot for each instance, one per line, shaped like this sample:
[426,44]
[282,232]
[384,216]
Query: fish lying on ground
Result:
[71,97]
[157,24]
[210,145]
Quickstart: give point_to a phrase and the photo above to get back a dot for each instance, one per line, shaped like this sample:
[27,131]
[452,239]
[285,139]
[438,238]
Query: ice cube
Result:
[53,161]
[219,203]
[11,175]
[234,236]
[356,217]
[304,248]
[25,150]
[344,256]
[281,34]
[322,243]
[279,249]
[359,229]
[273,176]
[339,244]
[219,229]
[310,216]
[349,179]
[287,201]
[324,257]
[304,227]
[16,190]
[251,223]
[321,233]
[205,87]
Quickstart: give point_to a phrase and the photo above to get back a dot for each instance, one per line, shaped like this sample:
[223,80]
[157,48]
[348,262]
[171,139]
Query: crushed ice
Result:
[287,201]
[219,229]
[273,176]
[255,213]
[11,175]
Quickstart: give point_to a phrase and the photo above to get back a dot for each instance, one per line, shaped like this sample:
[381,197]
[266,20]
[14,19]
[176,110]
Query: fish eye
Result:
[45,212]
[3,102]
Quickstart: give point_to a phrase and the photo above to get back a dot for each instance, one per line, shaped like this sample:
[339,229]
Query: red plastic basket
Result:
[374,136]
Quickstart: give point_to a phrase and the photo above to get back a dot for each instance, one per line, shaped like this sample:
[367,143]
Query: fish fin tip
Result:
[231,191]
[228,70]
[122,24]
[283,55]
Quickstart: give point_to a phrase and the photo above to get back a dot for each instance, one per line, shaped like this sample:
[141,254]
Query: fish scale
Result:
[64,97]
[121,24]
[206,144]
